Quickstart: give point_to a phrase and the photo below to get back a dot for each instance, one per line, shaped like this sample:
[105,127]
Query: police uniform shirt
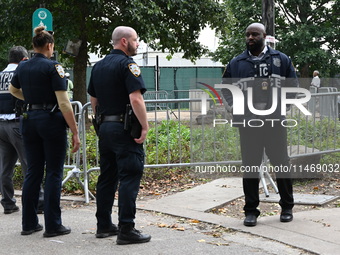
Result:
[7,101]
[261,86]
[112,80]
[39,78]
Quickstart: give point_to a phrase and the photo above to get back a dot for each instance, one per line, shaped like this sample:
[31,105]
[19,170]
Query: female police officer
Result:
[40,82]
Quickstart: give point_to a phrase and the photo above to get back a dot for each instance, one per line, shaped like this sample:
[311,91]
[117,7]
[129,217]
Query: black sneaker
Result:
[29,232]
[132,235]
[11,210]
[113,231]
[62,230]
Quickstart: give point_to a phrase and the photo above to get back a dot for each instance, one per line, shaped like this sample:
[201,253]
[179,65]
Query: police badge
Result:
[277,62]
[60,70]
[134,69]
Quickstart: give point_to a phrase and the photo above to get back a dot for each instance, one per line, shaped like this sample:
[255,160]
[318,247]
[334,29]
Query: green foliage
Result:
[309,35]
[319,135]
[219,143]
[168,142]
[232,37]
[72,185]
[164,25]
[18,178]
[175,142]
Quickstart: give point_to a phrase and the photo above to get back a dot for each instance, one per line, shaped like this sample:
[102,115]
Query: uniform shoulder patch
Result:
[60,70]
[134,69]
[277,62]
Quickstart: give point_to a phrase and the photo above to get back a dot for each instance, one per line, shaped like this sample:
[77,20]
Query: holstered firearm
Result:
[20,108]
[131,122]
[97,121]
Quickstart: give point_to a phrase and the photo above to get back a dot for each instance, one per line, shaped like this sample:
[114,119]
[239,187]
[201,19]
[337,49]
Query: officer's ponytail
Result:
[42,37]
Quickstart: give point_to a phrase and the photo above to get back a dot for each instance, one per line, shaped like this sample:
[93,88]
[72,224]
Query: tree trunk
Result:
[268,18]
[304,73]
[80,66]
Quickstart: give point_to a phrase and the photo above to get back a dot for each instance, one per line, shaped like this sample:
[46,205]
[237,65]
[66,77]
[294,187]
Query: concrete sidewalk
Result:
[170,235]
[316,231]
[168,221]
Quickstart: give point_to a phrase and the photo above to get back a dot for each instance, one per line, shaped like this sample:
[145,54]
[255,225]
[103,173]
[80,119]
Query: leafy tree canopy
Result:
[165,25]
[307,31]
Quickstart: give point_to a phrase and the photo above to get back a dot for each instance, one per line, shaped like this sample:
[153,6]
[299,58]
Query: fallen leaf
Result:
[180,229]
[162,225]
[218,244]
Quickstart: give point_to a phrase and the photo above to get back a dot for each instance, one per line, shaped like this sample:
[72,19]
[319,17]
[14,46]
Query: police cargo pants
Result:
[45,142]
[121,163]
[272,140]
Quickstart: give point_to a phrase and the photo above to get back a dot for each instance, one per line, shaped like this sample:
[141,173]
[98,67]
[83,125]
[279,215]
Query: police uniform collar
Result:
[10,67]
[39,55]
[246,55]
[116,51]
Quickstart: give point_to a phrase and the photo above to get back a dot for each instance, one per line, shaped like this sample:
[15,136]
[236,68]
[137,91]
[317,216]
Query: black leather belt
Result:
[118,118]
[40,106]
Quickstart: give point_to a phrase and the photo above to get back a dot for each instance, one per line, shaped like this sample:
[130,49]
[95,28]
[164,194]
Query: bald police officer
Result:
[115,82]
[261,68]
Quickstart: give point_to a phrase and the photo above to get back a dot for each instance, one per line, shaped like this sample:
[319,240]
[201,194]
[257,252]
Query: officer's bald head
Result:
[121,32]
[258,26]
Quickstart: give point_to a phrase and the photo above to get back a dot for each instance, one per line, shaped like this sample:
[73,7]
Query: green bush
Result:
[219,143]
[167,142]
[174,142]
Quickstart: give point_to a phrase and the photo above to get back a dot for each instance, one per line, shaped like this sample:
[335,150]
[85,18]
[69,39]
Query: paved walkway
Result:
[179,224]
[317,231]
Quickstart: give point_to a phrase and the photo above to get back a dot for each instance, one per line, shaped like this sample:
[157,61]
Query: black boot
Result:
[128,235]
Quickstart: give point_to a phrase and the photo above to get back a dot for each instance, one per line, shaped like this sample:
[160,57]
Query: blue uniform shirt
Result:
[112,80]
[39,78]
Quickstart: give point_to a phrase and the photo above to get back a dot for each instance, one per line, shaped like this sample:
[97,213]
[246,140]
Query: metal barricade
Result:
[155,97]
[328,103]
[209,145]
[73,160]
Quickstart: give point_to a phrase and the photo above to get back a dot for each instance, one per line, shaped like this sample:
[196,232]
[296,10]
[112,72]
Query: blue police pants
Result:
[254,140]
[45,141]
[121,163]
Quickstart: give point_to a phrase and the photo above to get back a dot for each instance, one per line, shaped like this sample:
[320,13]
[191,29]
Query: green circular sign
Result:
[42,17]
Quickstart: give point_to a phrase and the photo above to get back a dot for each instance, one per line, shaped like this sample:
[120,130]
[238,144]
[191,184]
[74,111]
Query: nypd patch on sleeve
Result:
[134,69]
[60,70]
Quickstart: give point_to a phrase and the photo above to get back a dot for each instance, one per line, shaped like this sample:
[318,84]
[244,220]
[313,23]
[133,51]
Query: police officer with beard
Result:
[262,69]
[115,82]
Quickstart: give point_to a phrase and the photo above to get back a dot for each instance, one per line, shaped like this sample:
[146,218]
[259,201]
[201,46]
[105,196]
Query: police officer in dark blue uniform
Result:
[115,82]
[11,145]
[40,82]
[262,69]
